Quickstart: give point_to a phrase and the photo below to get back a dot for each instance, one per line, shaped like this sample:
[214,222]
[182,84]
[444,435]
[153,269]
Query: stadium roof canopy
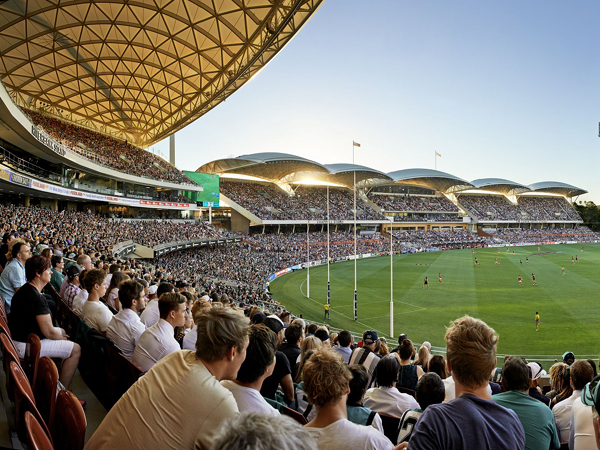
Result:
[432,179]
[500,186]
[268,166]
[344,174]
[282,167]
[555,187]
[140,70]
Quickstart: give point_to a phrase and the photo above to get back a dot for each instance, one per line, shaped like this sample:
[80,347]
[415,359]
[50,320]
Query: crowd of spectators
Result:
[498,207]
[547,208]
[207,293]
[439,238]
[251,262]
[427,217]
[108,151]
[269,202]
[71,230]
[413,203]
[535,235]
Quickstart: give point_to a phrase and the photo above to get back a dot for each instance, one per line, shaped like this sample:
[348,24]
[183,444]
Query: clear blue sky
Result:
[506,89]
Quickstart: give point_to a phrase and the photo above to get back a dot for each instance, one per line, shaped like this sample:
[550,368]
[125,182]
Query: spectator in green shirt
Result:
[537,419]
[57,276]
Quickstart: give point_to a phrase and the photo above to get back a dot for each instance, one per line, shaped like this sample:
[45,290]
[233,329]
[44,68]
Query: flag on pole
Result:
[355,144]
[437,154]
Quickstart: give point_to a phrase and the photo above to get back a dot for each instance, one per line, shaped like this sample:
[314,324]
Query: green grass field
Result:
[569,306]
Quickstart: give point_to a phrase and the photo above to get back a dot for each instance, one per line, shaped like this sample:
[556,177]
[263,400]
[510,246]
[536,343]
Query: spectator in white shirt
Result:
[190,338]
[95,313]
[125,328]
[258,365]
[112,299]
[159,340]
[385,398]
[151,314]
[326,378]
[581,373]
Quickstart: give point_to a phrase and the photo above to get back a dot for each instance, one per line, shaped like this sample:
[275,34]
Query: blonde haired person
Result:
[326,383]
[180,403]
[309,343]
[423,357]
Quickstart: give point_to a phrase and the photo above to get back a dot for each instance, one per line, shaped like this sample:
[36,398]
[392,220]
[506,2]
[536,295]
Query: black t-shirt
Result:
[282,368]
[292,351]
[27,303]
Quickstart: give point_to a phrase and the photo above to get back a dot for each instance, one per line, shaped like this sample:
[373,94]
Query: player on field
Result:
[476,262]
[425,283]
[496,261]
[572,260]
[527,260]
[521,261]
[537,321]
[440,277]
[520,281]
[562,268]
[533,279]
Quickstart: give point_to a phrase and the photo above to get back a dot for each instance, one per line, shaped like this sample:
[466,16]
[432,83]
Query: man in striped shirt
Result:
[366,355]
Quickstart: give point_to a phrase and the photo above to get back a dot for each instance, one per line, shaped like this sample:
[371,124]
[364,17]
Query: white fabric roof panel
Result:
[139,70]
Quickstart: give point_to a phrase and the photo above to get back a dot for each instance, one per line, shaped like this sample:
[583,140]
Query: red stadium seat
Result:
[37,439]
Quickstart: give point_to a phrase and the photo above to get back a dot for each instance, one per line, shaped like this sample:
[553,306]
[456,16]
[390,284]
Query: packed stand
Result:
[548,208]
[429,217]
[528,209]
[441,239]
[535,235]
[238,357]
[250,263]
[108,151]
[269,202]
[413,203]
[490,207]
[94,233]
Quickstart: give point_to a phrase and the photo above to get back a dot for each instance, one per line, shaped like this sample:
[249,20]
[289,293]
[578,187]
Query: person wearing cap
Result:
[365,355]
[535,368]
[73,286]
[536,418]
[151,314]
[580,373]
[84,262]
[568,358]
[472,420]
[282,373]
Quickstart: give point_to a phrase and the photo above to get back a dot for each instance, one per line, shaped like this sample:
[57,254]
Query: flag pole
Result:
[391,279]
[307,260]
[354,144]
[328,279]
